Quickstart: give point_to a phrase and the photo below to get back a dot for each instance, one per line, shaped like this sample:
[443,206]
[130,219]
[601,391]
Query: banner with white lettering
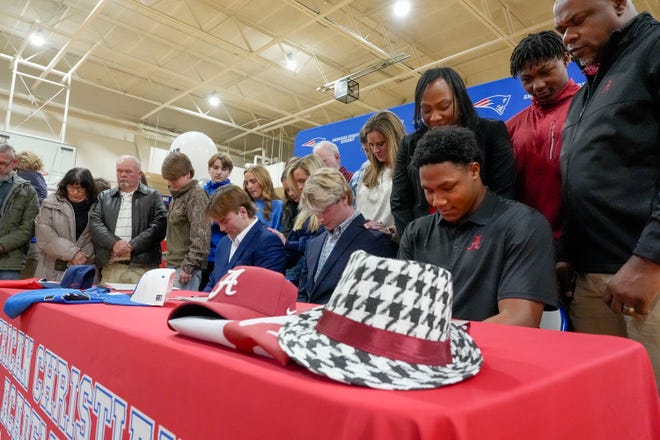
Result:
[45,397]
[499,99]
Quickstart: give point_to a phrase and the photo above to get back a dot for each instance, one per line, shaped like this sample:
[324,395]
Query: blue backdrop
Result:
[499,99]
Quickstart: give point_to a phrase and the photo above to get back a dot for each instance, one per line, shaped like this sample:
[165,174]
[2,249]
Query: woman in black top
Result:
[441,99]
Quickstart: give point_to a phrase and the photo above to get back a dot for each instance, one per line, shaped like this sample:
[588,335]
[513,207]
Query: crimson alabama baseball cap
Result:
[245,292]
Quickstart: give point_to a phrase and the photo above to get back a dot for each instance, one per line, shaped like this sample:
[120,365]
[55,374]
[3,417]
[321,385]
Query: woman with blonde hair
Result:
[306,224]
[299,172]
[383,131]
[259,186]
[290,207]
[29,167]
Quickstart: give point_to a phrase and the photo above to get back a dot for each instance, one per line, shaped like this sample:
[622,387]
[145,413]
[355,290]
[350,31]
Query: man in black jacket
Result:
[127,225]
[610,166]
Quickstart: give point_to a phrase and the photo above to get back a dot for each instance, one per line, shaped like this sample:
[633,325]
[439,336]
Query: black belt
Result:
[126,262]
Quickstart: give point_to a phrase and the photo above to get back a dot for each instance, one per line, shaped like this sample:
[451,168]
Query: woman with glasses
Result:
[61,226]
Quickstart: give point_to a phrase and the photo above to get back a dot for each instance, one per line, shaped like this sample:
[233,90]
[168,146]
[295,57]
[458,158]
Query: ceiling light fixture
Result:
[37,39]
[291,64]
[213,99]
[401,8]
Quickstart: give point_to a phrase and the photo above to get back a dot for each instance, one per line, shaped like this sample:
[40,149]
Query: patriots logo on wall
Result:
[505,97]
[496,103]
[313,141]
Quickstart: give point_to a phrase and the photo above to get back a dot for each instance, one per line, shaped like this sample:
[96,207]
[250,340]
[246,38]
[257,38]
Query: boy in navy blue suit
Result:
[248,242]
[329,197]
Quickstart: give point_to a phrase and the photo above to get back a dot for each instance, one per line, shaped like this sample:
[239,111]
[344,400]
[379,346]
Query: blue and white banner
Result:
[499,99]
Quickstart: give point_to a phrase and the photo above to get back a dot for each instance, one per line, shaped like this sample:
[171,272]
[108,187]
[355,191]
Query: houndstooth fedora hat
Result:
[387,325]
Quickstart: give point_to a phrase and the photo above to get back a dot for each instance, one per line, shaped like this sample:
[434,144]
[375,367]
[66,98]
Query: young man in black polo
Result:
[500,252]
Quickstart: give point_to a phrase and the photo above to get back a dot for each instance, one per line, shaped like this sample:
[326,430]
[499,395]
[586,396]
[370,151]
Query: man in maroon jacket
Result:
[540,62]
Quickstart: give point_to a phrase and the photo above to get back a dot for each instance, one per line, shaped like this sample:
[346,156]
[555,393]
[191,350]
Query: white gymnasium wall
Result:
[100,142]
[157,155]
[57,157]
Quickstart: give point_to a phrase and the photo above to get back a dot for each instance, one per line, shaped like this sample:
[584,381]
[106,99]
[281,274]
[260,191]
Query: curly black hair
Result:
[448,143]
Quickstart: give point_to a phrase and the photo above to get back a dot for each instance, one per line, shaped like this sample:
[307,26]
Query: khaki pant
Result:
[589,314]
[122,273]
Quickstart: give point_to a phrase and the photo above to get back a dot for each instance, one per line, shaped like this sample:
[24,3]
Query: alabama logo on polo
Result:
[476,243]
[227,283]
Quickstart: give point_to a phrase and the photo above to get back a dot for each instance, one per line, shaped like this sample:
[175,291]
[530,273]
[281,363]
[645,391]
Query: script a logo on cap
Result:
[228,282]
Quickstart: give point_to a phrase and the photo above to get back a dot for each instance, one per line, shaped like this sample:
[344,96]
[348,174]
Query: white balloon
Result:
[198,147]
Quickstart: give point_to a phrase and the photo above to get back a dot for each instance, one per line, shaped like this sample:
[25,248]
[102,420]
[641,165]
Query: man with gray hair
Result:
[19,206]
[127,225]
[329,155]
[327,195]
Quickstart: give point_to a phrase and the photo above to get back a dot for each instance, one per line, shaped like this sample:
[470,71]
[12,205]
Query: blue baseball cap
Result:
[79,276]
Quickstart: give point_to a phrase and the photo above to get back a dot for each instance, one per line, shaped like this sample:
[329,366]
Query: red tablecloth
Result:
[100,371]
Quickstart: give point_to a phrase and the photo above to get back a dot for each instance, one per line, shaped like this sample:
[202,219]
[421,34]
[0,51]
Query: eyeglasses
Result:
[77,189]
[5,164]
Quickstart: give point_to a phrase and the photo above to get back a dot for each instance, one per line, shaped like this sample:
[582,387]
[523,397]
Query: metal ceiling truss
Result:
[283,121]
[250,56]
[103,43]
[198,33]
[64,85]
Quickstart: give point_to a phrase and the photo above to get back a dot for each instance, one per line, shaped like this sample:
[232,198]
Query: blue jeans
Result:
[10,274]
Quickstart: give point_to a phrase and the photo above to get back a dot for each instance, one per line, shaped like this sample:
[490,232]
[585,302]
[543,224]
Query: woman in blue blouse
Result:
[258,184]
